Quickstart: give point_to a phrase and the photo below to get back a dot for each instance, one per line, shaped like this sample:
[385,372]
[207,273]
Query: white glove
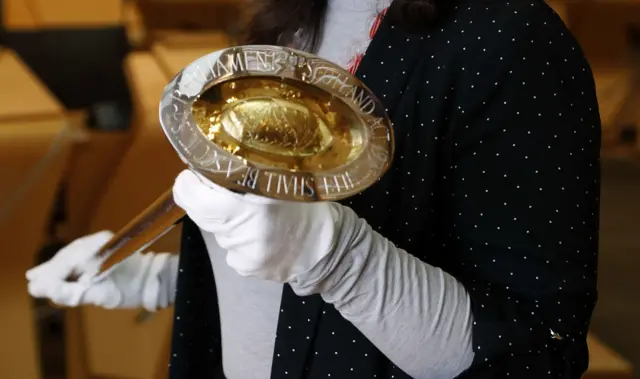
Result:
[142,280]
[264,238]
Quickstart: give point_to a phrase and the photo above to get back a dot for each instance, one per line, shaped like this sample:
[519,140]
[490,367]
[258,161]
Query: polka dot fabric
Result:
[495,180]
[196,349]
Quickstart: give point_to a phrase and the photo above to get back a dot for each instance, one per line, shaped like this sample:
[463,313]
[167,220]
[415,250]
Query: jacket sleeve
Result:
[524,145]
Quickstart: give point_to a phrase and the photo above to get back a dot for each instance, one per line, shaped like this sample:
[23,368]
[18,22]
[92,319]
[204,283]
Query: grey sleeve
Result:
[416,314]
[159,289]
[169,281]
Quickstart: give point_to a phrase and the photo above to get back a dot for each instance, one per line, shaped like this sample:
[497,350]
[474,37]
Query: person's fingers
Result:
[59,292]
[195,197]
[45,269]
[67,294]
[242,197]
[69,257]
[39,288]
[89,243]
[198,195]
[104,294]
[202,201]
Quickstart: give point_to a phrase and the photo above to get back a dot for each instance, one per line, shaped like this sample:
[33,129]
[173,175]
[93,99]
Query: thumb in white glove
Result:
[264,238]
[141,280]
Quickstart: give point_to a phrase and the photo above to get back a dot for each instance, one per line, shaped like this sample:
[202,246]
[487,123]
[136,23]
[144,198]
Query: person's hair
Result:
[298,23]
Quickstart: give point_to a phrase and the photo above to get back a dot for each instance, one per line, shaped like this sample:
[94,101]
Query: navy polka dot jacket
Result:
[495,180]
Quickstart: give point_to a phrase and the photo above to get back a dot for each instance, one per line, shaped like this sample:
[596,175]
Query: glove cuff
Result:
[326,241]
[154,291]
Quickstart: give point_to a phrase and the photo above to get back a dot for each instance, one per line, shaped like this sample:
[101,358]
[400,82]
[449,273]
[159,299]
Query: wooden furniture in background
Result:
[91,165]
[191,15]
[134,24]
[613,87]
[112,343]
[47,14]
[34,146]
[149,21]
[561,7]
[115,345]
[602,28]
[105,195]
[605,363]
[174,51]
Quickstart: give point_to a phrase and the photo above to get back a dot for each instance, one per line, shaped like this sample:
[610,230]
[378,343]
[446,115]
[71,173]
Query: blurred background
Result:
[81,150]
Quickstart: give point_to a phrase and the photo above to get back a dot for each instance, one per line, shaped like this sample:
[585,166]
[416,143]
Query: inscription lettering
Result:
[176,116]
[378,154]
[191,81]
[204,154]
[261,61]
[218,69]
[190,142]
[176,95]
[194,147]
[229,167]
[237,62]
[250,178]
[214,160]
[289,184]
[338,81]
[329,76]
[337,183]
[378,123]
[270,175]
[362,100]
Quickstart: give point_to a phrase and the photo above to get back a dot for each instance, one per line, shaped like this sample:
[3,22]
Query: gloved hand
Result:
[142,280]
[264,238]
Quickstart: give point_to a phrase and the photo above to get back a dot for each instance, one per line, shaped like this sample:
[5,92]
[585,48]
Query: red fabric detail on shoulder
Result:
[355,61]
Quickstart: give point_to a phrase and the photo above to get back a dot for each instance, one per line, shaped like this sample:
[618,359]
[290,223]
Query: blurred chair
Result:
[562,9]
[613,50]
[148,21]
[134,24]
[76,48]
[606,45]
[606,363]
[191,15]
[35,142]
[114,344]
[176,50]
[82,67]
[92,162]
[613,88]
[60,14]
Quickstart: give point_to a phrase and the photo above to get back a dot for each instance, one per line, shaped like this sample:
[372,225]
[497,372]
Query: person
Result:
[474,256]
